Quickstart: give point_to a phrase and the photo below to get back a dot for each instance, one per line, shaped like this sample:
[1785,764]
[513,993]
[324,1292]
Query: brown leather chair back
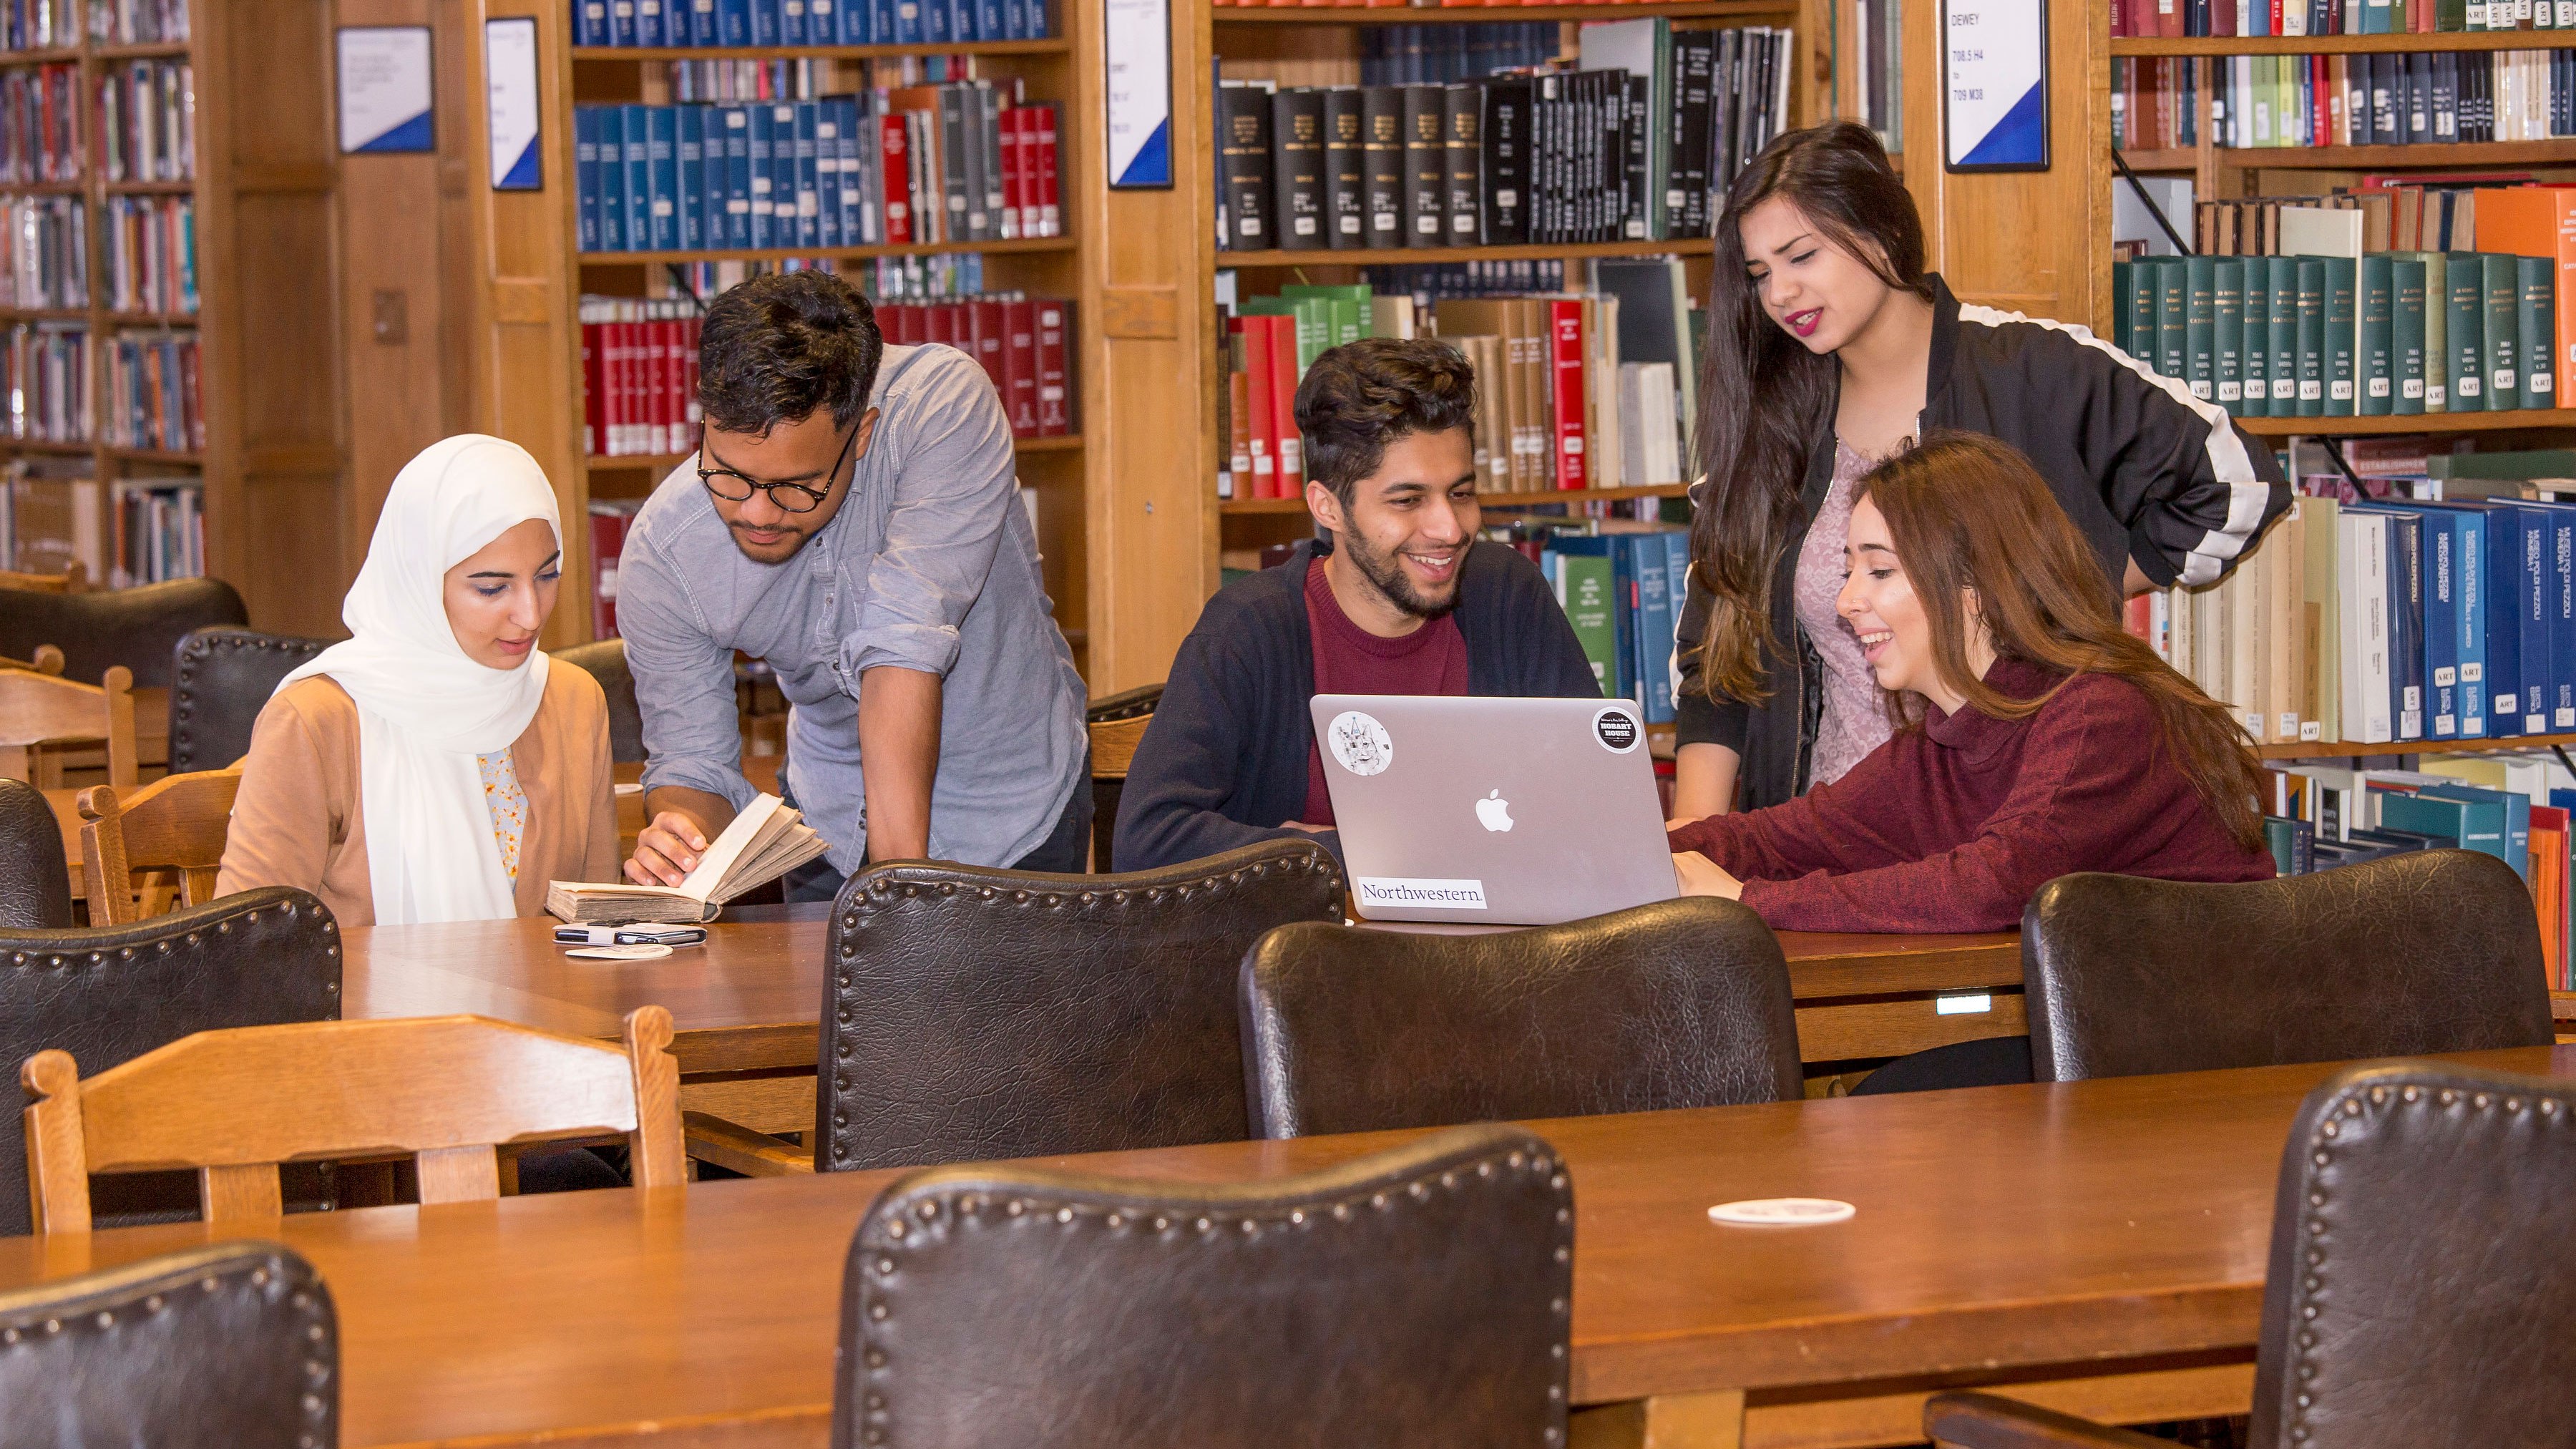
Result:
[972,1014]
[1116,725]
[1684,1003]
[605,661]
[110,994]
[138,628]
[1417,1296]
[2430,951]
[35,884]
[220,679]
[231,1344]
[2419,1291]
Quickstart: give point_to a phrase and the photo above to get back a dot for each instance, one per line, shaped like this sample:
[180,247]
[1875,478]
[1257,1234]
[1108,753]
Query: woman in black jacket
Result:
[1830,348]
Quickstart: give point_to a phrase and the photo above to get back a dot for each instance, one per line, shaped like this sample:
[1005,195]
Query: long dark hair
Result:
[1763,394]
[1968,512]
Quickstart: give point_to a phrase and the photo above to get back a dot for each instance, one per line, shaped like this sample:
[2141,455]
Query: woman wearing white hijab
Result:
[433,767]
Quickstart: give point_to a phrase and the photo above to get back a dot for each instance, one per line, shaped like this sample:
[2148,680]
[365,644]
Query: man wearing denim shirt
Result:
[851,517]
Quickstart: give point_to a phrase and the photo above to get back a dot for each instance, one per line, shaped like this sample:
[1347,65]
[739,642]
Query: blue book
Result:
[639,179]
[1654,625]
[590,22]
[792,29]
[621,22]
[704,25]
[1623,602]
[907,21]
[2469,534]
[1015,19]
[737,194]
[2498,549]
[2517,818]
[849,22]
[650,26]
[765,189]
[1677,562]
[990,23]
[662,176]
[2442,707]
[934,21]
[853,147]
[2534,591]
[2407,681]
[961,21]
[612,178]
[2466,824]
[767,22]
[733,22]
[800,122]
[691,121]
[2552,556]
[717,234]
[585,172]
[1037,13]
[827,172]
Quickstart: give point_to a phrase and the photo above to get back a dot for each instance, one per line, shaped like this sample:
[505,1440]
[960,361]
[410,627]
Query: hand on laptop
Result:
[1700,876]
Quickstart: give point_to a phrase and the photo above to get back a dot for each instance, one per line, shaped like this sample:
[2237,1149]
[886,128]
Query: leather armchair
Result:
[1684,1003]
[972,1014]
[231,1344]
[109,994]
[605,661]
[220,679]
[137,627]
[2417,1291]
[35,885]
[2430,951]
[1418,1296]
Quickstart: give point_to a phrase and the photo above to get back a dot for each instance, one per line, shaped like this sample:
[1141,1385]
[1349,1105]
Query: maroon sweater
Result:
[1953,826]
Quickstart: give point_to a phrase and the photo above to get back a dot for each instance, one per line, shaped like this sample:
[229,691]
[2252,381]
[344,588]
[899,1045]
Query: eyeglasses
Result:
[789,497]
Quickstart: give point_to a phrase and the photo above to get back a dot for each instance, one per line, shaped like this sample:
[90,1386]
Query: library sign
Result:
[1994,94]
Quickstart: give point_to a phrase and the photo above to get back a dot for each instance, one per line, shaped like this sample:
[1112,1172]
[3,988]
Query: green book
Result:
[2378,311]
[2124,285]
[2140,319]
[1346,310]
[2284,365]
[2406,335]
[2227,292]
[1583,587]
[2173,314]
[2465,330]
[2535,319]
[2257,352]
[2499,361]
[2342,335]
[2309,303]
[2437,330]
[2200,326]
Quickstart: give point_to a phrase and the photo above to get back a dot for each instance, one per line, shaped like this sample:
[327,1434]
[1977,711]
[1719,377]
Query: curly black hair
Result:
[779,346]
[1359,397]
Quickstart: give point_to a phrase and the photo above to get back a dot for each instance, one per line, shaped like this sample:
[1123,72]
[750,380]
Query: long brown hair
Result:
[1763,394]
[1968,512]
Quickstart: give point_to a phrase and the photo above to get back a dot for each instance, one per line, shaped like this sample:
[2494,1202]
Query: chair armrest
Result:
[739,1149]
[1983,1421]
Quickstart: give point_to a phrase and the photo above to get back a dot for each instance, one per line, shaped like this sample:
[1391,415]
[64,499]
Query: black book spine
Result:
[1297,166]
[1542,163]
[2447,110]
[1426,166]
[1692,56]
[1243,156]
[1640,97]
[1345,174]
[1465,159]
[1382,160]
[1721,122]
[1506,138]
[1603,154]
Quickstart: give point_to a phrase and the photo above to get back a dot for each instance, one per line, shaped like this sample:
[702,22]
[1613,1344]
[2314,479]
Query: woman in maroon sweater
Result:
[2034,738]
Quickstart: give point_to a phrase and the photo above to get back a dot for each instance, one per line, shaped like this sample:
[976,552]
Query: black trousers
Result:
[1065,851]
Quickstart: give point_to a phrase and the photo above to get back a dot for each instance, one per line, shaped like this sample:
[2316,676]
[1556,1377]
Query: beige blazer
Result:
[298,820]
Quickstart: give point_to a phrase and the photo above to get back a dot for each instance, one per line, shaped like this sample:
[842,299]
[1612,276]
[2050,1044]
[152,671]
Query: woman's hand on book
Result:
[666,851]
[1700,876]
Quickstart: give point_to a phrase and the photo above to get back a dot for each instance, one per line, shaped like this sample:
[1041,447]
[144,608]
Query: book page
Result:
[727,848]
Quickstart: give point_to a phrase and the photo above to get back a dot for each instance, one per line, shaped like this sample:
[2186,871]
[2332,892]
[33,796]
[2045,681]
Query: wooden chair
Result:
[48,660]
[74,580]
[1117,724]
[38,710]
[175,824]
[446,1090]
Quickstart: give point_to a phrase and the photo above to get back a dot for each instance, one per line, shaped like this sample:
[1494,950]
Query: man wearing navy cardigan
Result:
[1400,598]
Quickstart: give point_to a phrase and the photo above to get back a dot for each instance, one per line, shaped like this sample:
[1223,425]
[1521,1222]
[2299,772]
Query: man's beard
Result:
[1387,575]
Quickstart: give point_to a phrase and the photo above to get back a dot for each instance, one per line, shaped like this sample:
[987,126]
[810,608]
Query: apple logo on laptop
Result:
[1494,812]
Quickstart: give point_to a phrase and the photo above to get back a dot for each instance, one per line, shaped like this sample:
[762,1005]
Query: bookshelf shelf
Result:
[2560,152]
[2179,158]
[2413,423]
[1469,14]
[1056,46]
[2332,44]
[2348,751]
[160,51]
[41,57]
[774,254]
[1484,500]
[44,314]
[150,188]
[665,462]
[1398,256]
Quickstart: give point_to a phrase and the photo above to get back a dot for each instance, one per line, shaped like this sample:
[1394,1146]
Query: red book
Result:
[621,402]
[1565,373]
[607,542]
[657,379]
[594,400]
[690,414]
[2321,112]
[2222,17]
[1014,177]
[939,323]
[2169,17]
[1055,382]
[1020,366]
[1264,421]
[2119,18]
[1050,214]
[676,378]
[985,335]
[896,179]
[1283,406]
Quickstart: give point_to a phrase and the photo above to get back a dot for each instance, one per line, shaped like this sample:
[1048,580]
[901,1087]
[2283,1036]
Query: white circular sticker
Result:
[1360,743]
[1617,730]
[1781,1212]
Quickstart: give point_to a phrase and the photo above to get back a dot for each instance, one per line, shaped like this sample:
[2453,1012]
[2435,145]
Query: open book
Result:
[764,842]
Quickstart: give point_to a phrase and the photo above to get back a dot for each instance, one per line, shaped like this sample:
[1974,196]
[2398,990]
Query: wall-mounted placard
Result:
[385,89]
[510,102]
[1137,38]
[1994,99]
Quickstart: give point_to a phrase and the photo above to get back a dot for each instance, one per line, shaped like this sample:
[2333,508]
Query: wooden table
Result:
[2098,1246]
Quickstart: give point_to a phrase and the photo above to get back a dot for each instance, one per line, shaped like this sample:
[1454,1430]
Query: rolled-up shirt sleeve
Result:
[683,678]
[958,481]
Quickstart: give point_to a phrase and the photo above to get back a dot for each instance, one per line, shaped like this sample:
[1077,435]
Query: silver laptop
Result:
[1519,812]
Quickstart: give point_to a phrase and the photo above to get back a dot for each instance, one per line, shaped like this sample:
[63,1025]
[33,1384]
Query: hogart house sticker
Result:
[1360,743]
[1617,730]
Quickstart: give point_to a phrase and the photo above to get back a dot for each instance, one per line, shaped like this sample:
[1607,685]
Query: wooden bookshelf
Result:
[2329,44]
[1486,14]
[627,54]
[2346,750]
[2358,427]
[2482,155]
[1297,505]
[1416,256]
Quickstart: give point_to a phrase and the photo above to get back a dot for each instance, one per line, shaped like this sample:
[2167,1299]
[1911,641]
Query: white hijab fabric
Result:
[425,708]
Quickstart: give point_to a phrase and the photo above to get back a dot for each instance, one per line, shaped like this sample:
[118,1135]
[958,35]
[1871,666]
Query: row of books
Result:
[45,375]
[134,22]
[1428,282]
[44,252]
[2395,217]
[152,529]
[2385,99]
[40,24]
[805,77]
[2336,336]
[40,125]
[2335,17]
[49,517]
[2514,805]
[152,254]
[1023,343]
[735,23]
[1403,55]
[147,121]
[928,164]
[639,369]
[1621,591]
[156,531]
[1877,52]
[942,274]
[153,392]
[610,518]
